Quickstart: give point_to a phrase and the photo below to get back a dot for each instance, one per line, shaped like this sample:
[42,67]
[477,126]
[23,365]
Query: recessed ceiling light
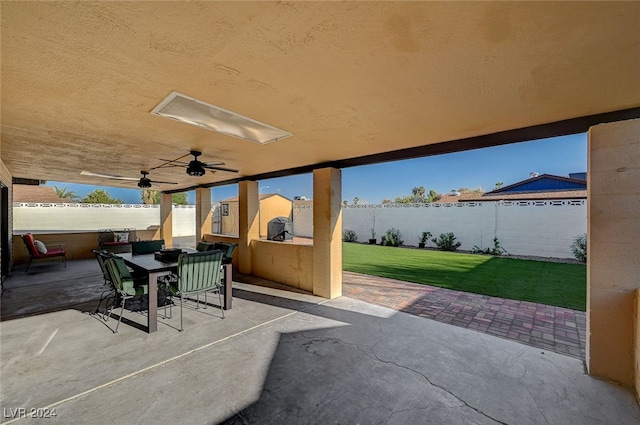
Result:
[180,107]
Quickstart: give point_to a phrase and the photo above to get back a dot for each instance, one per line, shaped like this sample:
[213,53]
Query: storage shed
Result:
[272,205]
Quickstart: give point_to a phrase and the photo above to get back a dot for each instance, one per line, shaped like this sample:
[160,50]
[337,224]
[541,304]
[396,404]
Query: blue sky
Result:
[373,183]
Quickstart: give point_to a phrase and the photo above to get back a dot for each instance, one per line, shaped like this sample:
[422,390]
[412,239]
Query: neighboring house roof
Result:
[552,194]
[39,194]
[262,197]
[545,186]
[542,183]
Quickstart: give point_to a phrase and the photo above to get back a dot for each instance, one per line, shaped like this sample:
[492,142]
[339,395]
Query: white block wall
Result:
[541,228]
[92,217]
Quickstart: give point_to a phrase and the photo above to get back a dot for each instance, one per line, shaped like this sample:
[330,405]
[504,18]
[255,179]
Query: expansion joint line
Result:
[153,366]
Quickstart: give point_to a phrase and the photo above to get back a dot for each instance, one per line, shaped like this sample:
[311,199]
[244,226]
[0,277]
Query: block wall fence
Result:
[34,217]
[540,228]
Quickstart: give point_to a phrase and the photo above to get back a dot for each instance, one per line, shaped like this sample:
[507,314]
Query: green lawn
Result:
[543,282]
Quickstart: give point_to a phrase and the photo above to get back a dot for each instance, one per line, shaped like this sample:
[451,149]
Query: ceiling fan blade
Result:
[159,182]
[168,165]
[169,161]
[212,163]
[108,176]
[209,167]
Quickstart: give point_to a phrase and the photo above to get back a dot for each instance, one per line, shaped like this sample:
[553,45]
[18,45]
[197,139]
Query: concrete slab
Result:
[281,357]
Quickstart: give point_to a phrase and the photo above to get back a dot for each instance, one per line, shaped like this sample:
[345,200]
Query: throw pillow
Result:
[42,249]
[121,236]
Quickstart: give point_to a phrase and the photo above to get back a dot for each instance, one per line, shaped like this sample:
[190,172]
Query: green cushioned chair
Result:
[146,247]
[123,284]
[227,250]
[204,246]
[109,292]
[198,272]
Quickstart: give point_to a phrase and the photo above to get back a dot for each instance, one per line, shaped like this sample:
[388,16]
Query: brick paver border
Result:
[556,329]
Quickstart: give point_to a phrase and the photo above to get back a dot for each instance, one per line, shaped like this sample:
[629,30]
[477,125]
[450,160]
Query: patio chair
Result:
[123,284]
[102,255]
[146,247]
[227,251]
[45,251]
[204,246]
[197,272]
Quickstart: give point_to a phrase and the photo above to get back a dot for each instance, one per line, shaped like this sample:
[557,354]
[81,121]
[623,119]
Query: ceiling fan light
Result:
[144,183]
[179,107]
[195,169]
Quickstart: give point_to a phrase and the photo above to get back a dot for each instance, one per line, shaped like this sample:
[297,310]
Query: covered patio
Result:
[282,356]
[349,84]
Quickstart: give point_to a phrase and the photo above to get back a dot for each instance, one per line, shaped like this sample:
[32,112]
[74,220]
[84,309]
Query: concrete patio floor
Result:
[280,357]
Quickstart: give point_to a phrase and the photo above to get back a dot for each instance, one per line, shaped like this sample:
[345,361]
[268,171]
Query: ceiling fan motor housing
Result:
[144,183]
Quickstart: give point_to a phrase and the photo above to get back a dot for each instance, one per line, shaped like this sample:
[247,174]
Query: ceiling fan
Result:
[144,182]
[195,167]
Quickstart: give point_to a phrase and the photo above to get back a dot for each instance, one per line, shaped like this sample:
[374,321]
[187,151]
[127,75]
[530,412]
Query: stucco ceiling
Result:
[347,79]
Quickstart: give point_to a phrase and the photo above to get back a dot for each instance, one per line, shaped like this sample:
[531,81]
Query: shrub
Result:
[579,247]
[425,237]
[349,235]
[497,249]
[393,237]
[447,242]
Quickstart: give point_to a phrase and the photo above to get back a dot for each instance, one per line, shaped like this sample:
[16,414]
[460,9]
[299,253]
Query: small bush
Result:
[447,242]
[497,249]
[349,235]
[393,237]
[425,237]
[579,247]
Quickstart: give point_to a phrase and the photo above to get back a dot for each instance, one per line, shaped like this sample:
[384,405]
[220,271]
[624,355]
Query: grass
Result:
[557,284]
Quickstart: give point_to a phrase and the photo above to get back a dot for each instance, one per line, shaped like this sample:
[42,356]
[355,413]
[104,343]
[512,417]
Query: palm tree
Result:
[419,192]
[148,196]
[66,194]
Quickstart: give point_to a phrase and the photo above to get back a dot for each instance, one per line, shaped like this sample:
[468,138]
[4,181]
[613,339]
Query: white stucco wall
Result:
[91,217]
[542,228]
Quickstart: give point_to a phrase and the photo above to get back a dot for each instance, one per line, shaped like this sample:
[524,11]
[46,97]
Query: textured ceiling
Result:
[348,79]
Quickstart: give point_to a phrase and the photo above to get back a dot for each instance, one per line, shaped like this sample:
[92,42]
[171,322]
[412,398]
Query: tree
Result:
[100,196]
[64,193]
[498,185]
[418,192]
[417,196]
[356,200]
[467,190]
[149,197]
[345,202]
[387,201]
[177,198]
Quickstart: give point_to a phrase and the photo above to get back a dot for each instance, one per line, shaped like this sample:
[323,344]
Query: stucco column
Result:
[248,222]
[613,256]
[166,218]
[203,212]
[327,232]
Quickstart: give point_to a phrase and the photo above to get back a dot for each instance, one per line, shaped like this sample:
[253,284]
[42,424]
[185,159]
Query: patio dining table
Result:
[147,263]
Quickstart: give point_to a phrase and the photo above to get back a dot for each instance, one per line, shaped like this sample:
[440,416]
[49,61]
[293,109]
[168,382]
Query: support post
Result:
[613,250]
[203,212]
[248,222]
[166,218]
[327,232]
